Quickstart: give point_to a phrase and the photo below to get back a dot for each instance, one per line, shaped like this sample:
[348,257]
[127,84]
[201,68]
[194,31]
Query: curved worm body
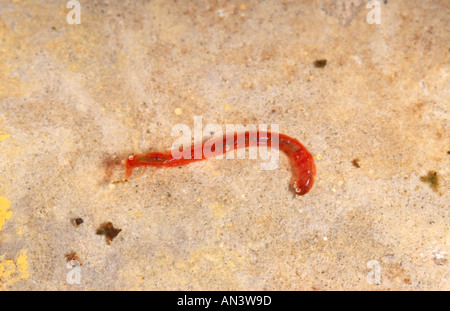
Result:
[304,169]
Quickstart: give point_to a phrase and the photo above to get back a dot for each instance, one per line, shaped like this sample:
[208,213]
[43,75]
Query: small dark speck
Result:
[72,256]
[107,229]
[77,221]
[320,63]
[355,163]
[448,152]
[432,179]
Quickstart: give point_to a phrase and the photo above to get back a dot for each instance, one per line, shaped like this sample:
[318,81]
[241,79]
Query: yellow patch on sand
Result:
[4,136]
[12,271]
[5,214]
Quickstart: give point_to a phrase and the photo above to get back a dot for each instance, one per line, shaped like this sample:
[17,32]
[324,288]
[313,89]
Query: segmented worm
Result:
[304,169]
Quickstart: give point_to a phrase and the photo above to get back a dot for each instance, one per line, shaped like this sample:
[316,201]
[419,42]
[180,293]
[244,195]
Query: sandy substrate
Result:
[75,99]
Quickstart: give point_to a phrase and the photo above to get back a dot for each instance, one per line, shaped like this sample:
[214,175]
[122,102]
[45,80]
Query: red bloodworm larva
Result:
[304,169]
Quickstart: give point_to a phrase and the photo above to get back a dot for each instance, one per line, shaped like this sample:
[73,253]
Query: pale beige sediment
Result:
[74,98]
